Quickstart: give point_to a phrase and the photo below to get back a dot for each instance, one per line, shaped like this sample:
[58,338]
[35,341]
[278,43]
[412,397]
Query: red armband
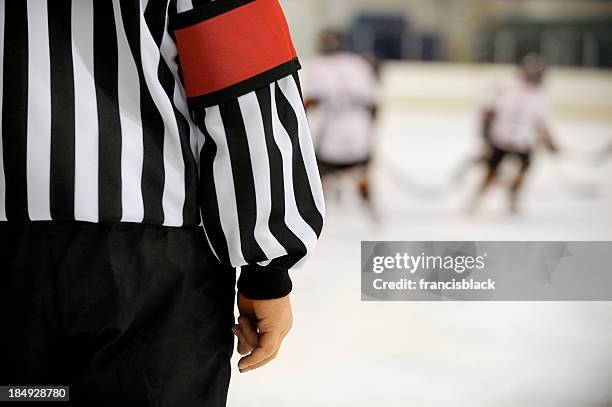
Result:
[230,47]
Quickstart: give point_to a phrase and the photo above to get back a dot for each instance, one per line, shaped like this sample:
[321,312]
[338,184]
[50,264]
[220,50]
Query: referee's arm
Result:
[260,192]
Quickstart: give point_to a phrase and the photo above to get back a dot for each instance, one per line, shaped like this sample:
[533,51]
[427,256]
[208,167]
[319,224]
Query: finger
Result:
[249,330]
[260,364]
[269,345]
[243,345]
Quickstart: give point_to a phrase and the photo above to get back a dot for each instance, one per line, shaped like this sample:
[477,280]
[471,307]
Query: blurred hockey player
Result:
[342,86]
[514,123]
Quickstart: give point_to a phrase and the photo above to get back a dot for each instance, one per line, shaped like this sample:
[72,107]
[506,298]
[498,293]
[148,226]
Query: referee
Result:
[149,148]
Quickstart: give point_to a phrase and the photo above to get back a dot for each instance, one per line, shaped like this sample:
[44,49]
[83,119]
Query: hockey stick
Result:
[407,182]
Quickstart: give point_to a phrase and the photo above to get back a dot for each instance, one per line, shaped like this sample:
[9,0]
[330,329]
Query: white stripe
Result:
[173,198]
[132,149]
[293,219]
[2,182]
[224,183]
[86,116]
[289,88]
[183,5]
[196,138]
[169,52]
[39,112]
[253,123]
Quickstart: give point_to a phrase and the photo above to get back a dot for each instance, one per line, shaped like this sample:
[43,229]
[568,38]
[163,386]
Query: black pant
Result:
[129,313]
[498,154]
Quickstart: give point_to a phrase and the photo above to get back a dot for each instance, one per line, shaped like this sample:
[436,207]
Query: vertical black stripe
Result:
[173,9]
[244,184]
[155,17]
[301,186]
[62,110]
[208,193]
[157,25]
[15,109]
[190,207]
[278,228]
[153,175]
[106,66]
[296,78]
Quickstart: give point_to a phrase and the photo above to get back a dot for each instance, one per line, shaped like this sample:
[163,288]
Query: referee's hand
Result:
[262,326]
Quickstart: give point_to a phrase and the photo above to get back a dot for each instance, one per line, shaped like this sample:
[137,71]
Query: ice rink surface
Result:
[344,352]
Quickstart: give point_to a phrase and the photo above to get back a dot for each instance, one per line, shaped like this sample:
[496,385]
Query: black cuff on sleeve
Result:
[264,283]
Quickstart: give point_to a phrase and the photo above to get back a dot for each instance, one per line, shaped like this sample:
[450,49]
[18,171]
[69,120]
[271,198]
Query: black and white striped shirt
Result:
[96,127]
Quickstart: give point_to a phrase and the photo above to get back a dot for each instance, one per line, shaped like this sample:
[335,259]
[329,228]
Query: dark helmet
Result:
[331,41]
[533,68]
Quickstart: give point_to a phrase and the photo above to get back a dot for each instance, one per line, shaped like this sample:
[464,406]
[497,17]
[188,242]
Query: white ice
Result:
[344,352]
